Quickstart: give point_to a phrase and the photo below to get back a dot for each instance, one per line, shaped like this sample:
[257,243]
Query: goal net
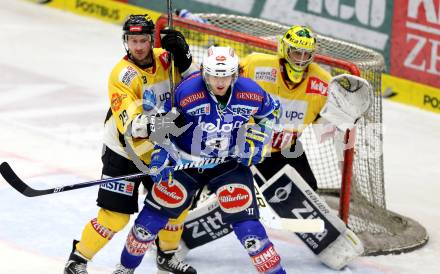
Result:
[381,230]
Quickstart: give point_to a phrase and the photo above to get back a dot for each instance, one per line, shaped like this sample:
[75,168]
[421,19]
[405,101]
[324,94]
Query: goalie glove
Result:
[349,97]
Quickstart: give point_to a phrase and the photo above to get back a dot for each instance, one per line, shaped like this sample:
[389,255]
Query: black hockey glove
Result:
[174,42]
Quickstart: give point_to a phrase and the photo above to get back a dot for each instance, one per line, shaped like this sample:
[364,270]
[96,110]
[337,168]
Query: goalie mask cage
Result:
[382,231]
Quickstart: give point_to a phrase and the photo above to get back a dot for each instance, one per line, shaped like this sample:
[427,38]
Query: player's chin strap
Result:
[289,196]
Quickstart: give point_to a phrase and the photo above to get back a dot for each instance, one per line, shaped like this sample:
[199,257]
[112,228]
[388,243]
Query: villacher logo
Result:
[169,195]
[234,198]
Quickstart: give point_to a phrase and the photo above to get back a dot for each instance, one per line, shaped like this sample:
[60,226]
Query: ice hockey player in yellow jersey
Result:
[303,89]
[138,86]
[299,84]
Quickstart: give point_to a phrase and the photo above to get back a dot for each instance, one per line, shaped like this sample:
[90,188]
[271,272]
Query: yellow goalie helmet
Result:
[297,46]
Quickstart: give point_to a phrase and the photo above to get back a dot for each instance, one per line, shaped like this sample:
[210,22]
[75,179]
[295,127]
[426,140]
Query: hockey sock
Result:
[141,236]
[169,236]
[253,237]
[99,231]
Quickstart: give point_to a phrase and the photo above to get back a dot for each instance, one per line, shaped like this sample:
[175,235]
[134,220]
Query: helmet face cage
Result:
[220,62]
[298,58]
[297,47]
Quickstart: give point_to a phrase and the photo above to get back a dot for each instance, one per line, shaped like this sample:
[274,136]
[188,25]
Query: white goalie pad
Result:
[349,97]
[285,202]
[290,197]
[342,251]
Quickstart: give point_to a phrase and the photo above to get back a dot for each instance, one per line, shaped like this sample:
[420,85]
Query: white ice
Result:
[53,99]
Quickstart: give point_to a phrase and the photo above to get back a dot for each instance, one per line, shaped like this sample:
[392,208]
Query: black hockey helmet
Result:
[138,24]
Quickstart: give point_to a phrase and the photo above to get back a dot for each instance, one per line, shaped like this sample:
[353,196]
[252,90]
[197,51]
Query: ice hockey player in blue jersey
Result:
[229,116]
[216,117]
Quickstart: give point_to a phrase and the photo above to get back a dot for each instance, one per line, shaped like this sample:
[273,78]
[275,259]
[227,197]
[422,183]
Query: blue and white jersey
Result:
[214,132]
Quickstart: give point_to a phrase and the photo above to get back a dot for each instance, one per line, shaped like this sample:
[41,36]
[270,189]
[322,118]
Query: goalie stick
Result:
[204,223]
[289,196]
[302,225]
[18,184]
[269,217]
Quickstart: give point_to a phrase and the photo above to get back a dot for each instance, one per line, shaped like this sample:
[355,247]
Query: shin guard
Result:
[253,237]
[170,235]
[99,231]
[141,236]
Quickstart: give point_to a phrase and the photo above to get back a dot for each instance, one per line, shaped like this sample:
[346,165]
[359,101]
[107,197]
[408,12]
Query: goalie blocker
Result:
[290,197]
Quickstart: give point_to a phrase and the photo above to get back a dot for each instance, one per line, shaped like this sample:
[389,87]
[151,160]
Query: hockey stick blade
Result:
[303,225]
[12,178]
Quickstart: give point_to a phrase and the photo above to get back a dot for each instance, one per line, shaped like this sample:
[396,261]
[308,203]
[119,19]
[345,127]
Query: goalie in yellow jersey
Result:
[307,94]
[138,86]
[300,85]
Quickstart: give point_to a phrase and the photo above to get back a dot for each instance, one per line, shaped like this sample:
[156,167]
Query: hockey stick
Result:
[302,225]
[171,71]
[292,225]
[12,178]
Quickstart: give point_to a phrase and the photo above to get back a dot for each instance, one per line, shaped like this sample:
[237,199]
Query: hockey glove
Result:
[158,127]
[174,42]
[349,97]
[255,146]
[160,171]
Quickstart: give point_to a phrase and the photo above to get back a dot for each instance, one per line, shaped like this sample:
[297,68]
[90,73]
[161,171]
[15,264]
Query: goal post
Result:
[358,192]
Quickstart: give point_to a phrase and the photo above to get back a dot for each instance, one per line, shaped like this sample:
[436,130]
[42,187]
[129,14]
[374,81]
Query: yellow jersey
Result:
[300,104]
[133,91]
